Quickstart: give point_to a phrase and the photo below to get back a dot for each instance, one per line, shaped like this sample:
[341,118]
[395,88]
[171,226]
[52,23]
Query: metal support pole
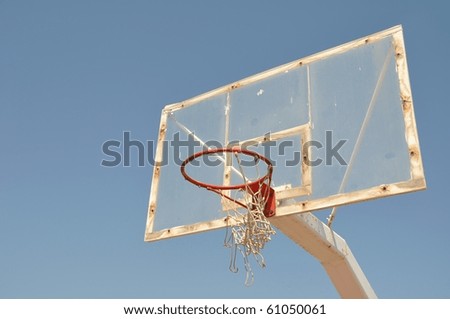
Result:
[330,249]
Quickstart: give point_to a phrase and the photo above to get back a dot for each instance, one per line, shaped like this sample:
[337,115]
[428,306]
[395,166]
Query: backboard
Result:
[338,127]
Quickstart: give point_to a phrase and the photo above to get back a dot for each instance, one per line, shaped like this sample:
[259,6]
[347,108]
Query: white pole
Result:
[330,249]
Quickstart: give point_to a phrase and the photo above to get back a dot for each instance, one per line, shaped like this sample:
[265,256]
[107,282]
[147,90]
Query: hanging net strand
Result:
[247,205]
[250,230]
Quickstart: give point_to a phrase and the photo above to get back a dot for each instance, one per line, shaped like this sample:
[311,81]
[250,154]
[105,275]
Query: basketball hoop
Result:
[254,202]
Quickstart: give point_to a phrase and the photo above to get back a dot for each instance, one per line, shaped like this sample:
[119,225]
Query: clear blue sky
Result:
[74,74]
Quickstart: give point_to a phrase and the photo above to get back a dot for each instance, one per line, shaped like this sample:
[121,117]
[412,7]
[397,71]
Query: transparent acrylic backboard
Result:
[338,127]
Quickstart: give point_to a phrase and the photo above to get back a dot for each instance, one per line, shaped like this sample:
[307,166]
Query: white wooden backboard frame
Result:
[415,183]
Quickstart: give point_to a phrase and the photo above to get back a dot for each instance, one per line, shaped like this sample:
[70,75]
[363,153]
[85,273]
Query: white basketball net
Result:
[249,230]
